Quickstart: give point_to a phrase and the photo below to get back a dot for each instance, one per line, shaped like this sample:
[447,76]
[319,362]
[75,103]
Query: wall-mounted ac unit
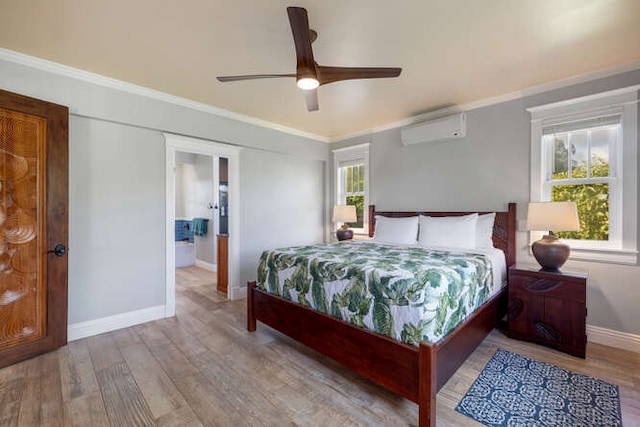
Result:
[442,129]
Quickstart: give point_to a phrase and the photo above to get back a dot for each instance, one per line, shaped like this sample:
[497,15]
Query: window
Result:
[351,184]
[351,166]
[581,170]
[584,151]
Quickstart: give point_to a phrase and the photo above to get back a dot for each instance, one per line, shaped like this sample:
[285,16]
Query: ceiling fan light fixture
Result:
[308,73]
[308,83]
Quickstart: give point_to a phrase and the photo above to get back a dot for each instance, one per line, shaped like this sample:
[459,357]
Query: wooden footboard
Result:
[392,364]
[414,373]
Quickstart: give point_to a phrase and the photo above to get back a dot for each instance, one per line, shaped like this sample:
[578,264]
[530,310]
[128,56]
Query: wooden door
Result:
[223,263]
[33,226]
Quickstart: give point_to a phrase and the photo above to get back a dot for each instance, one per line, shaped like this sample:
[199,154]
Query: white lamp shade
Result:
[553,216]
[344,213]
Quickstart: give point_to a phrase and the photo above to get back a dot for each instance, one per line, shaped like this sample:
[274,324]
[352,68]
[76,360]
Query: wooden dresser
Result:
[548,308]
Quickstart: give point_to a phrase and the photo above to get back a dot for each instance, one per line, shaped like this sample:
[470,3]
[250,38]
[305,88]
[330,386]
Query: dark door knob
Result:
[59,250]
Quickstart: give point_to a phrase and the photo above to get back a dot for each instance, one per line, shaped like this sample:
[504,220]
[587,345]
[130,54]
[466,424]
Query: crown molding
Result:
[67,71]
[98,79]
[532,90]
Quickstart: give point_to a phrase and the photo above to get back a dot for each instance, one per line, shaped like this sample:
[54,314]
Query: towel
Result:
[199,226]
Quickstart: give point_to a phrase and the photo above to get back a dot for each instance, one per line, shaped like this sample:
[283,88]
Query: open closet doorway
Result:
[202,213]
[196,218]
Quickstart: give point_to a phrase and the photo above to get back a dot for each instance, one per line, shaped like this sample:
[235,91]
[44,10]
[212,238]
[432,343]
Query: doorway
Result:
[196,216]
[216,206]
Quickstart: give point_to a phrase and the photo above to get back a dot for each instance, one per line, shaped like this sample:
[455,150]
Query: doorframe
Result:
[175,143]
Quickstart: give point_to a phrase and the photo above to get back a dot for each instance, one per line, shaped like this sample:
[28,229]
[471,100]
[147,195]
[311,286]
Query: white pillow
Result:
[449,231]
[396,230]
[484,230]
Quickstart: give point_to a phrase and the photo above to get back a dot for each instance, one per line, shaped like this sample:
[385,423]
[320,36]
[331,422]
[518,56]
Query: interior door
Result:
[33,226]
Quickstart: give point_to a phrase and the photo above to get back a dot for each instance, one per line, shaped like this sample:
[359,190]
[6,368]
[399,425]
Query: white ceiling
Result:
[452,51]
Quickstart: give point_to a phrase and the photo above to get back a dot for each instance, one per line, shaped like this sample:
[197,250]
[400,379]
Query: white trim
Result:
[98,79]
[64,70]
[76,331]
[240,293]
[90,328]
[554,85]
[206,265]
[622,247]
[611,256]
[621,340]
[354,152]
[170,232]
[602,100]
[175,143]
[352,148]
[533,90]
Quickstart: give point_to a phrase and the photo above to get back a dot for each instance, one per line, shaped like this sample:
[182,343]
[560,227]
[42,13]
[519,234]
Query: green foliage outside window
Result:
[354,179]
[592,200]
[358,202]
[593,210]
[354,183]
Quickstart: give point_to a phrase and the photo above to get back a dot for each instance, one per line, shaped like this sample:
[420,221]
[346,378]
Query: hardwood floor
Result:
[203,368]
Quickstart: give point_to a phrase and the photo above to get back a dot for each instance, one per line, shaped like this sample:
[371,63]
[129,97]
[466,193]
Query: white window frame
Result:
[614,181]
[622,246]
[356,154]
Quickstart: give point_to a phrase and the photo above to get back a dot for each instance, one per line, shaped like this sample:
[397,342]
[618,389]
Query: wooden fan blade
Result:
[252,77]
[299,21]
[328,75]
[311,96]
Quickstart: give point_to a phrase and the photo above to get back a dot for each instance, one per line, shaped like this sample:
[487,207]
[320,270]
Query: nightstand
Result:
[548,308]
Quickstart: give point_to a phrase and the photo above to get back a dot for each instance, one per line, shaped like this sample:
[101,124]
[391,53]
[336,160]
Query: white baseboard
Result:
[238,293]
[89,328]
[622,340]
[206,265]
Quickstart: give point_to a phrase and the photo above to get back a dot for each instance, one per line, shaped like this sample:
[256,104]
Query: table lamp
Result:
[550,252]
[344,214]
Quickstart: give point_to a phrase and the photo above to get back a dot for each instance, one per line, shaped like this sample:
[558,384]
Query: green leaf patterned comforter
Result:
[411,294]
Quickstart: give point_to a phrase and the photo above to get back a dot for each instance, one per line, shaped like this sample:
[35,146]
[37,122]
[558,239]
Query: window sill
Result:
[361,236]
[612,256]
[356,236]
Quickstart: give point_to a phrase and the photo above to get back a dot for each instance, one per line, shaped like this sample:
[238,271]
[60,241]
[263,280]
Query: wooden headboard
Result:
[504,228]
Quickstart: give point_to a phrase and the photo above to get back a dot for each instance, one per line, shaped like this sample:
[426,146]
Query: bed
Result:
[415,372]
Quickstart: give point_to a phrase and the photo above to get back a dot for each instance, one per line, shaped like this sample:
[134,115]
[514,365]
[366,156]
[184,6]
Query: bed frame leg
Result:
[251,318]
[427,377]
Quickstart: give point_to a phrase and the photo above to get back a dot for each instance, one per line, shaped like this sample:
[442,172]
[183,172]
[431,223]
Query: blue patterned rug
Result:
[513,390]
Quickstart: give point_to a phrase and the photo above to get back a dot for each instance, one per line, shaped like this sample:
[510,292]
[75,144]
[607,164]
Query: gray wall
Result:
[487,169]
[116,219]
[117,195]
[281,204]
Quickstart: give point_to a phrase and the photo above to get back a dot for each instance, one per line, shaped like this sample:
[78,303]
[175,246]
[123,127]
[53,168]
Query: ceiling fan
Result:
[309,74]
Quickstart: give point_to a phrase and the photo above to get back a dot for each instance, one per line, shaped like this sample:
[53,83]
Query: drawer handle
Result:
[541,285]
